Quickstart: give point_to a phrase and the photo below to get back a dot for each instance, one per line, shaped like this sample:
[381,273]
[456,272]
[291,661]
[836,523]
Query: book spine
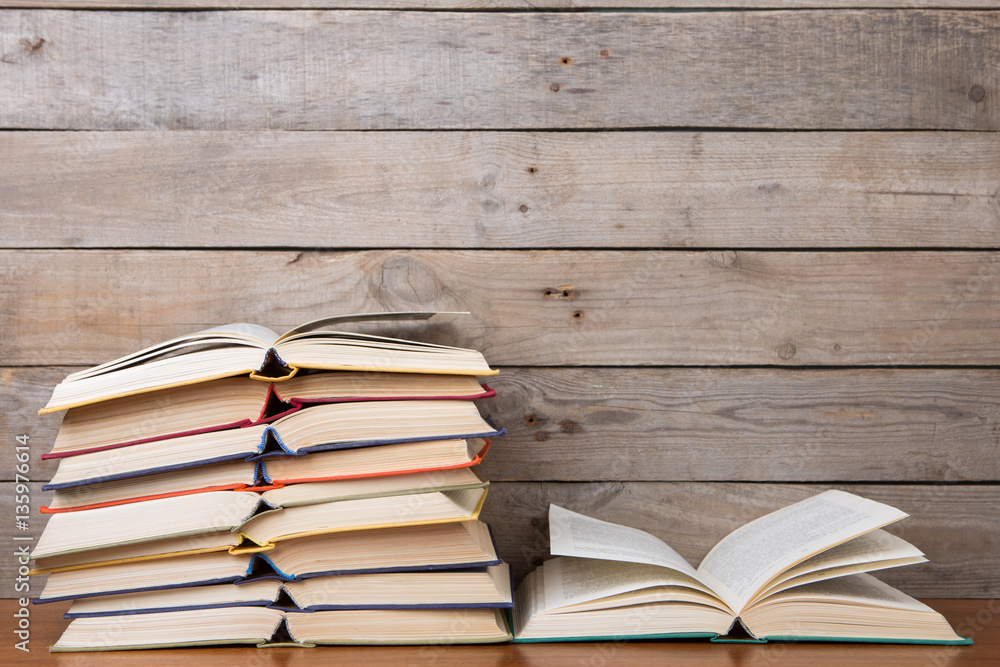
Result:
[103,448]
[142,473]
[141,589]
[392,441]
[139,499]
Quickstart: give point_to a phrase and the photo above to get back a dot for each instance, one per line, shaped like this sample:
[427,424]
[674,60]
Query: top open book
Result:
[241,349]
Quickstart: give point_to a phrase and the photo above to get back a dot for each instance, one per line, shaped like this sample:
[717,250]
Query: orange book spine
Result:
[300,480]
[139,499]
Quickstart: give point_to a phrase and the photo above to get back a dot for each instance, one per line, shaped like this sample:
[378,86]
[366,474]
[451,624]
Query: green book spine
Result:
[869,640]
[617,638]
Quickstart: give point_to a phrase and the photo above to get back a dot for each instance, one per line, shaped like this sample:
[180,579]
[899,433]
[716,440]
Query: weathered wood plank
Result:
[956,526]
[745,425]
[22,392]
[499,190]
[844,69]
[497,4]
[689,424]
[549,308]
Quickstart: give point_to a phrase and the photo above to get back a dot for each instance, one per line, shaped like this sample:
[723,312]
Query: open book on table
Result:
[249,349]
[321,428]
[263,627]
[126,482]
[244,520]
[428,589]
[796,574]
[237,402]
[443,546]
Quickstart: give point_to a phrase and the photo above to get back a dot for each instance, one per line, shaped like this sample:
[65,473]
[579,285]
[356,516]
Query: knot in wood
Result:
[723,258]
[406,279]
[786,351]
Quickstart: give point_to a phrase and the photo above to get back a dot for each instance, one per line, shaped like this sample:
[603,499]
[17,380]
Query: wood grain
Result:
[745,425]
[551,308]
[956,526]
[47,625]
[499,190]
[324,70]
[688,424]
[496,4]
[22,392]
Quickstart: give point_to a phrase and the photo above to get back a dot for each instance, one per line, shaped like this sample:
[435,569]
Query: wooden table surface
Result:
[979,619]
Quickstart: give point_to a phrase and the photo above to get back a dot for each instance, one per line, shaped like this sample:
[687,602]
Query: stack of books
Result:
[235,486]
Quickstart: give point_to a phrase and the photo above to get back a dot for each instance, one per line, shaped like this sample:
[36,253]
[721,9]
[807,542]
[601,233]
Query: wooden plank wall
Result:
[723,259]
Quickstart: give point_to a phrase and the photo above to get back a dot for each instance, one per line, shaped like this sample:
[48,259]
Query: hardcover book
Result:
[128,483]
[240,519]
[320,429]
[796,574]
[262,626]
[432,547]
[258,352]
[238,402]
[438,589]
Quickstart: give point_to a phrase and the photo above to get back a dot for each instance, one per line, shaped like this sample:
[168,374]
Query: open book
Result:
[440,546]
[249,349]
[795,574]
[317,429]
[236,520]
[238,402]
[262,626]
[125,480]
[440,589]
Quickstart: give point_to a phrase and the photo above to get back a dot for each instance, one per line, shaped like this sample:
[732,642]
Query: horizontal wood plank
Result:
[956,526]
[547,308]
[519,5]
[680,424]
[324,70]
[745,425]
[499,190]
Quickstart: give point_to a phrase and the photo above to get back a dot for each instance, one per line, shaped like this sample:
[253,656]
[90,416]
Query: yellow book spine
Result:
[50,408]
[132,559]
[326,531]
[383,369]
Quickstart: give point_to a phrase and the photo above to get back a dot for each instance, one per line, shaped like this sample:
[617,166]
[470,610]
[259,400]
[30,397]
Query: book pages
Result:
[857,588]
[872,551]
[571,581]
[573,534]
[749,557]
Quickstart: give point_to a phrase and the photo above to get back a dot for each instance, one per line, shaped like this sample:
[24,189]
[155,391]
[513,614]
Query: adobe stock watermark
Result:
[969,627]
[957,299]
[640,619]
[22,512]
